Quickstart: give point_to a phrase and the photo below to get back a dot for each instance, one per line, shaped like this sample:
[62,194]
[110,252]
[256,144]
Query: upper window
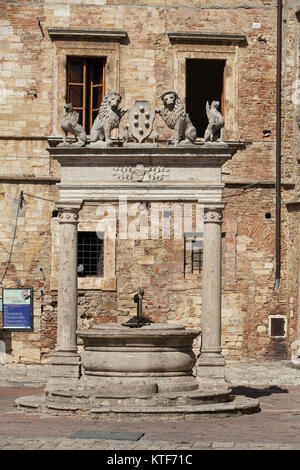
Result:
[204,82]
[85,87]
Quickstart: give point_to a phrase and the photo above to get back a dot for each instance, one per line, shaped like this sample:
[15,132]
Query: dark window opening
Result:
[204,82]
[90,254]
[277,326]
[85,87]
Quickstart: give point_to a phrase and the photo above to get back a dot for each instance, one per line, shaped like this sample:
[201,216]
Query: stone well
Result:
[153,359]
[139,373]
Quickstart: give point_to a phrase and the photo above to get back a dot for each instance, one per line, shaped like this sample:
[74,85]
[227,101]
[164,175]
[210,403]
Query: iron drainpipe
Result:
[278,144]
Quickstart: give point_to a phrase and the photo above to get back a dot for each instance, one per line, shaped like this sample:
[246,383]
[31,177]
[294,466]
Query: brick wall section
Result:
[29,113]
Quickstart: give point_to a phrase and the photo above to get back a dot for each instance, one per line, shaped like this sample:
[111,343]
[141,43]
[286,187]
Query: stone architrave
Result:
[66,360]
[211,363]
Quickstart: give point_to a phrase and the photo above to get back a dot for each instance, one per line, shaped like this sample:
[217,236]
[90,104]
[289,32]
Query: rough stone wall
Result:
[30,111]
[29,264]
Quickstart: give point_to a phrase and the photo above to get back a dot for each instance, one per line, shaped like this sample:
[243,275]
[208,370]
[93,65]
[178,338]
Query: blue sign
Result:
[17,311]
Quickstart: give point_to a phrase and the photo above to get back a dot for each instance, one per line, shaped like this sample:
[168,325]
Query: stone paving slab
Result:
[276,427]
[261,373]
[108,435]
[97,444]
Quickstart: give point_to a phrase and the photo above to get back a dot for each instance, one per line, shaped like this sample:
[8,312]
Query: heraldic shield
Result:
[141,118]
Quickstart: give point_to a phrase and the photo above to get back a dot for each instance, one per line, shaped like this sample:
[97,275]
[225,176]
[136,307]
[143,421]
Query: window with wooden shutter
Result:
[85,87]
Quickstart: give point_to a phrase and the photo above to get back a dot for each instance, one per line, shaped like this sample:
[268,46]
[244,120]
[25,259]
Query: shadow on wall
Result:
[278,349]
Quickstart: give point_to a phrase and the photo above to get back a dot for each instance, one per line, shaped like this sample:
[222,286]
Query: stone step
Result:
[239,405]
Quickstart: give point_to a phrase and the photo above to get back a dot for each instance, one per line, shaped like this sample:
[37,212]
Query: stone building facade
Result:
[148,48]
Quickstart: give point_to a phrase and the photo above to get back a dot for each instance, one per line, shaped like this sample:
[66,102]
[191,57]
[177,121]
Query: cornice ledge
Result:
[293,204]
[86,34]
[207,37]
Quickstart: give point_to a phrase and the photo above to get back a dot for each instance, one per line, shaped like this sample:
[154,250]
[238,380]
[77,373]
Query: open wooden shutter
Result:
[96,87]
[77,87]
[222,110]
[85,87]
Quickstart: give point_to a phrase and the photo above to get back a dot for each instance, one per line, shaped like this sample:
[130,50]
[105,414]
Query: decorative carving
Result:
[174,115]
[108,118]
[69,123]
[213,215]
[141,118]
[67,215]
[215,122]
[140,172]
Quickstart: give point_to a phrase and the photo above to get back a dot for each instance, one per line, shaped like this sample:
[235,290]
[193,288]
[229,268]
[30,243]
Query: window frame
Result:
[228,54]
[106,282]
[284,318]
[222,100]
[89,251]
[190,239]
[107,49]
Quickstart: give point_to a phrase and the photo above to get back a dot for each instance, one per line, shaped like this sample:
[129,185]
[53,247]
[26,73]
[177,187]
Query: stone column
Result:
[65,363]
[211,363]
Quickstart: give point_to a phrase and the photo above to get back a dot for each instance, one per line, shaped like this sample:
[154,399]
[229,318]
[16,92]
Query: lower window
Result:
[277,326]
[90,254]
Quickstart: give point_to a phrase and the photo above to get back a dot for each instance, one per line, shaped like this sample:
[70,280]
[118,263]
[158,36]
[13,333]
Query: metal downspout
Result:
[278,145]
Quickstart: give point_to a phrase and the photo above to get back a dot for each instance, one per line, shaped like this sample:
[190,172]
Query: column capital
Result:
[214,213]
[68,211]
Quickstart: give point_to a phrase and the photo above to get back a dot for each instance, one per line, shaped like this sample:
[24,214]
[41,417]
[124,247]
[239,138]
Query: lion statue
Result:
[108,118]
[174,115]
[215,122]
[69,123]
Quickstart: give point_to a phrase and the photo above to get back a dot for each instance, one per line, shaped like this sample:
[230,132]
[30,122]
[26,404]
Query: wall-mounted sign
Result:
[17,309]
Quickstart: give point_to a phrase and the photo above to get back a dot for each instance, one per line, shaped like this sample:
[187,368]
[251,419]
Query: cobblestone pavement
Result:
[277,426]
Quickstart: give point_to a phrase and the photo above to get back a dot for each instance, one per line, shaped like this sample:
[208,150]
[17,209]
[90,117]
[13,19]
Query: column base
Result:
[210,369]
[64,371]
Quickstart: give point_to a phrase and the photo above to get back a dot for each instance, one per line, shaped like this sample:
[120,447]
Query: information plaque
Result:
[17,309]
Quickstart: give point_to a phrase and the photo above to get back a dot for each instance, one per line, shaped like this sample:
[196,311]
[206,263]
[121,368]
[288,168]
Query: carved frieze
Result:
[140,173]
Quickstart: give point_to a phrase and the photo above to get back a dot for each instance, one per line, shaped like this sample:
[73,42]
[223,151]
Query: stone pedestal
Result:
[65,364]
[211,363]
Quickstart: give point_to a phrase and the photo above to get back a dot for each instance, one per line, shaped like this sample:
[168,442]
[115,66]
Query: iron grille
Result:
[193,252]
[90,254]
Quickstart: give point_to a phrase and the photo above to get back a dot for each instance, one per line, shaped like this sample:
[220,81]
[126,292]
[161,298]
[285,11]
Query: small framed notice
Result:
[17,309]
